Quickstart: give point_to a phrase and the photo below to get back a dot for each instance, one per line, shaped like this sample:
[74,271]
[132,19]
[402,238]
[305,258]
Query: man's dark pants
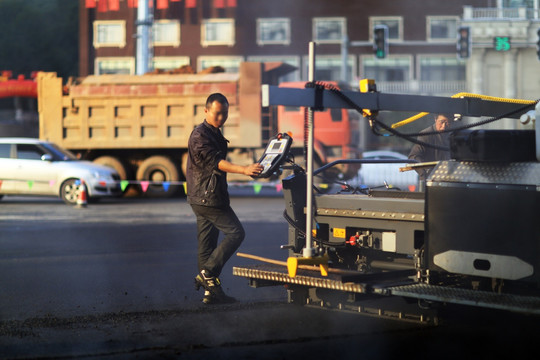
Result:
[210,221]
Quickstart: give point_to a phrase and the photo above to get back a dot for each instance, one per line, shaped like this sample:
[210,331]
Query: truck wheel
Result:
[69,191]
[118,165]
[158,169]
[184,163]
[323,183]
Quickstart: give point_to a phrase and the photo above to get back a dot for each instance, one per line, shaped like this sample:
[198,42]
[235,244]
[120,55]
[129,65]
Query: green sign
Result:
[501,43]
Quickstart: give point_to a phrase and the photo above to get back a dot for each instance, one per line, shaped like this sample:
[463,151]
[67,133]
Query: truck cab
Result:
[336,132]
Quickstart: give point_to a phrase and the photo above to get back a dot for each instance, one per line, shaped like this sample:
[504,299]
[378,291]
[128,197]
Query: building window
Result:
[273,31]
[329,30]
[439,68]
[5,151]
[395,26]
[169,63]
[393,69]
[217,32]
[114,65]
[290,60]
[166,33]
[441,28]
[231,64]
[109,34]
[518,3]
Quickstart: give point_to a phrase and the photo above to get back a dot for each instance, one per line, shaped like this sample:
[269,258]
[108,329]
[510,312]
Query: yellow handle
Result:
[293,262]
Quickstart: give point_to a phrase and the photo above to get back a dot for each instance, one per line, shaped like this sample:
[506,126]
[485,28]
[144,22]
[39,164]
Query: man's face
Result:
[217,114]
[442,123]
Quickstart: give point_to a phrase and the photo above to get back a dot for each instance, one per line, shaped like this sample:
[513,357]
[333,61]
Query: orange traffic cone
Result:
[81,199]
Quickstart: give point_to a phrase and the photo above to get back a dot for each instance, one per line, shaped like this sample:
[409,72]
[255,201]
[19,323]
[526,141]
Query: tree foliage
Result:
[39,35]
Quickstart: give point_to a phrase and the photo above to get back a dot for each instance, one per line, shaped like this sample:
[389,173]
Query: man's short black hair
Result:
[219,97]
[450,117]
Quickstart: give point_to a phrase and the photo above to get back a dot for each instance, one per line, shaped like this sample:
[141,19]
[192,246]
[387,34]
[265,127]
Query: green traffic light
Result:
[380,41]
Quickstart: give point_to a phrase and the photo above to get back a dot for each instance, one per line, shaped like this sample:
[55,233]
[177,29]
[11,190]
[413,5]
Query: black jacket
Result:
[206,184]
[427,154]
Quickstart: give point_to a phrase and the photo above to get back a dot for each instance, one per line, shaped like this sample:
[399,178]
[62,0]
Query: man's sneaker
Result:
[206,281]
[207,299]
[210,298]
[213,292]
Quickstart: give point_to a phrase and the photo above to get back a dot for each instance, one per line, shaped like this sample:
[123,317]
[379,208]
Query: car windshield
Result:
[58,152]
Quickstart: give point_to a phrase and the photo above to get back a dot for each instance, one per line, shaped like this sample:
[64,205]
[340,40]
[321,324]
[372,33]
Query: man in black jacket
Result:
[438,139]
[208,196]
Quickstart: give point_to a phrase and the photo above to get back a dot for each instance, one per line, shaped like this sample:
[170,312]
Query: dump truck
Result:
[140,124]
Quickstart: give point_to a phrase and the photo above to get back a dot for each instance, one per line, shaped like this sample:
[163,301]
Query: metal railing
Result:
[519,13]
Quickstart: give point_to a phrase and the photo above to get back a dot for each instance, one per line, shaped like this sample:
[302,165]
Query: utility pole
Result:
[344,58]
[144,27]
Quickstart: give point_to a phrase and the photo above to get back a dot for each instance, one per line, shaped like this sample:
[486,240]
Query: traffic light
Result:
[464,42]
[380,41]
[538,44]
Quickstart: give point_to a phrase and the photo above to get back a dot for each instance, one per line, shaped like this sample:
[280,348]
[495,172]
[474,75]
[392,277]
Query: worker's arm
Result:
[417,153]
[249,170]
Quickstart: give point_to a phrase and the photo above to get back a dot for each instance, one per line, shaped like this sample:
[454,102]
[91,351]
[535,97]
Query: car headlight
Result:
[102,175]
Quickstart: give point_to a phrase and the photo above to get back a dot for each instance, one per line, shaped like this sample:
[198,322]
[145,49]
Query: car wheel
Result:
[69,191]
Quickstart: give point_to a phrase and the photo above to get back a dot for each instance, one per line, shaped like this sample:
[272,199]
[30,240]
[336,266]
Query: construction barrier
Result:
[82,200]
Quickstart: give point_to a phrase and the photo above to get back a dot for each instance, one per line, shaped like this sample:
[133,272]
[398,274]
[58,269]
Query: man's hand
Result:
[253,169]
[250,170]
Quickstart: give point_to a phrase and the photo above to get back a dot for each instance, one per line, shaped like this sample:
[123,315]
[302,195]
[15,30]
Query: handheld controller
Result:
[274,154]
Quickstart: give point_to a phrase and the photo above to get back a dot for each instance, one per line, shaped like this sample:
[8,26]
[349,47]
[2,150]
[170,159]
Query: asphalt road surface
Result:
[115,281]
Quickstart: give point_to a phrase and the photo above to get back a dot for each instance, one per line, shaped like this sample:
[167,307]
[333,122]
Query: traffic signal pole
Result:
[144,25]
[538,44]
[344,55]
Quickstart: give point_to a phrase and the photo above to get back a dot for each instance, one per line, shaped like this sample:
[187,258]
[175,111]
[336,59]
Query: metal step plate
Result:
[268,274]
[279,275]
[516,303]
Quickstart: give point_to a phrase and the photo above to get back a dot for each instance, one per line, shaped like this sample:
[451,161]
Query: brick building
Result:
[422,40]
[203,33]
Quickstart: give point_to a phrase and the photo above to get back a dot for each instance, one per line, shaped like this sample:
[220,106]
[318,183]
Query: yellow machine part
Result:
[293,262]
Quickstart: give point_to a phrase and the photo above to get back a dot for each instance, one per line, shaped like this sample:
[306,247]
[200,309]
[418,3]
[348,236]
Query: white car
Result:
[35,167]
[386,175]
